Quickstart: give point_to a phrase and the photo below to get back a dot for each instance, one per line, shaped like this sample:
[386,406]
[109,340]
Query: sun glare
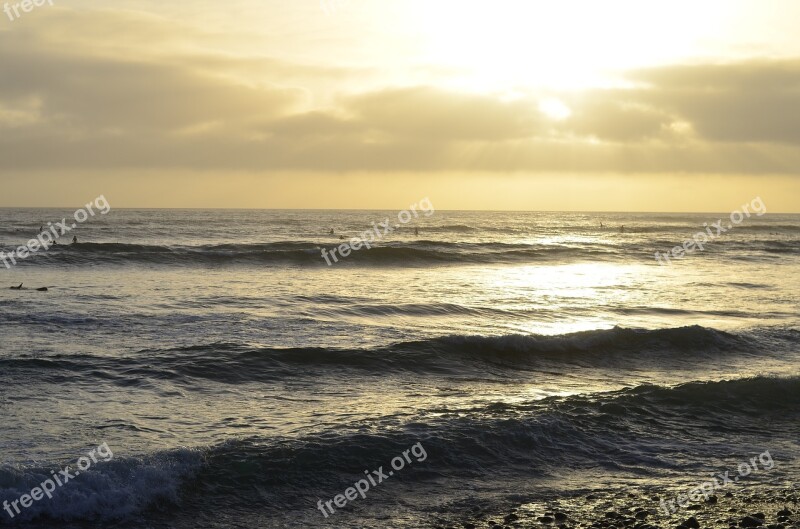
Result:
[554,108]
[568,44]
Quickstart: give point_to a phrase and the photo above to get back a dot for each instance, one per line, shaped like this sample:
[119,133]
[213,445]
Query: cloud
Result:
[435,114]
[616,116]
[752,101]
[153,99]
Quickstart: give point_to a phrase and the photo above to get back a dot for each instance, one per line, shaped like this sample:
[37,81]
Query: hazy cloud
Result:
[434,114]
[67,105]
[755,101]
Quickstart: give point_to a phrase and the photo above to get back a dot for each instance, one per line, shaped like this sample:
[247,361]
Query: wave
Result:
[111,490]
[621,431]
[235,363]
[307,253]
[771,246]
[327,307]
[743,396]
[791,228]
[426,251]
[615,430]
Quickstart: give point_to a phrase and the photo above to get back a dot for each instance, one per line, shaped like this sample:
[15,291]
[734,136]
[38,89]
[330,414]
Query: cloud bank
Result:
[148,101]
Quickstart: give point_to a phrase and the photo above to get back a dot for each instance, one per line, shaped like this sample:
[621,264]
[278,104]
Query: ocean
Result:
[239,380]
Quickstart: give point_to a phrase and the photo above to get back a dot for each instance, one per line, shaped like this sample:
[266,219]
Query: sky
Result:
[616,105]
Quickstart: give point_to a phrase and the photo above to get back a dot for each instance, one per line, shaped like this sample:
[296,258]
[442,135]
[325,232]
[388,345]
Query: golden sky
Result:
[509,104]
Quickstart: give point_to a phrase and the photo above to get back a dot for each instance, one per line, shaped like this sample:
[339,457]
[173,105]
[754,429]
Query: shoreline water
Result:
[768,507]
[240,380]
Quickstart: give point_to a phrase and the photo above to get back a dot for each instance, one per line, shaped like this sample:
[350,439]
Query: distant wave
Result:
[428,250]
[790,228]
[306,253]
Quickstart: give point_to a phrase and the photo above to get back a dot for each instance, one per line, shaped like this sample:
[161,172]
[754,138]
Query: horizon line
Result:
[389,209]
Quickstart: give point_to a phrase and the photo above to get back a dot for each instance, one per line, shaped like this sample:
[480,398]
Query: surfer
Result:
[622,229]
[416,232]
[332,232]
[75,240]
[17,288]
[43,289]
